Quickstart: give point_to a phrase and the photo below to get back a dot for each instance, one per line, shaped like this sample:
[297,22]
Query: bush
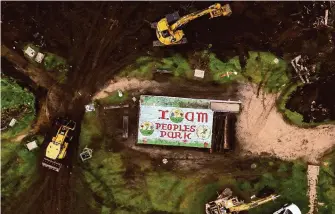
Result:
[18,103]
[262,69]
[223,72]
[18,168]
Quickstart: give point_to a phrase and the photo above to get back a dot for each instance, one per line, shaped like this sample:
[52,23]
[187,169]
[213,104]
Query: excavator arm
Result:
[247,206]
[214,11]
[170,34]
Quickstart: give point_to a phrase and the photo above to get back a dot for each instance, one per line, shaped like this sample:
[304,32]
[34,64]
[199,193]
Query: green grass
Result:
[15,98]
[114,99]
[187,193]
[141,69]
[21,126]
[13,95]
[18,168]
[149,190]
[90,130]
[224,72]
[53,62]
[144,67]
[326,185]
[178,65]
[262,69]
[288,180]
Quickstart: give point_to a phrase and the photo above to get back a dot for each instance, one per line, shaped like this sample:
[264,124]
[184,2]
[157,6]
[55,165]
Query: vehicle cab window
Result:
[165,33]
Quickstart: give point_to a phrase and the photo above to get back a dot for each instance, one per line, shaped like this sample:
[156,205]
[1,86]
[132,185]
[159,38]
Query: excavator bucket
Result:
[222,11]
[51,164]
[157,43]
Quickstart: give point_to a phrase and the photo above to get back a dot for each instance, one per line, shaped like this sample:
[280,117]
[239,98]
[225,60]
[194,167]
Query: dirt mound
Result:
[261,129]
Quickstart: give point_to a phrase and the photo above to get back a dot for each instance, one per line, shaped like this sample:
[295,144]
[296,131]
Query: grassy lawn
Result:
[18,167]
[90,129]
[114,99]
[144,67]
[126,182]
[224,72]
[53,62]
[326,185]
[176,192]
[266,69]
[18,103]
[289,180]
[262,68]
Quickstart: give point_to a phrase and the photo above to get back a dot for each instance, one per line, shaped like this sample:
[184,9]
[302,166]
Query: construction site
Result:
[167,107]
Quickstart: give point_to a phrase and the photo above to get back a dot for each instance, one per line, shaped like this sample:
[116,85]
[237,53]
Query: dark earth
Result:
[99,38]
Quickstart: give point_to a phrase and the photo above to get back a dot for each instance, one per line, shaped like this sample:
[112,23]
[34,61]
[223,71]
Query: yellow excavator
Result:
[57,148]
[226,204]
[171,34]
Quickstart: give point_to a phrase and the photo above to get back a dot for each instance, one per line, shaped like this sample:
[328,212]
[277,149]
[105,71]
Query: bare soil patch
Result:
[262,129]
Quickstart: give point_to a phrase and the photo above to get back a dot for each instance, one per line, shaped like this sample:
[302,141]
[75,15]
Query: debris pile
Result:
[301,67]
[86,154]
[89,107]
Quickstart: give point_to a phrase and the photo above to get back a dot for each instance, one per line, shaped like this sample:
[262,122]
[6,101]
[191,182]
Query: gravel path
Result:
[312,176]
[261,129]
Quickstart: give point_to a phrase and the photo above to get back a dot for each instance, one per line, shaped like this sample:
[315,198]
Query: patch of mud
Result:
[261,129]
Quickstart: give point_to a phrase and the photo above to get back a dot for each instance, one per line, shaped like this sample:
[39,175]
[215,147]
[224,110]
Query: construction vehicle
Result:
[171,34]
[56,150]
[226,203]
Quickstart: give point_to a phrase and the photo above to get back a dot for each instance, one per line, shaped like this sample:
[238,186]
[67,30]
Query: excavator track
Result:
[157,43]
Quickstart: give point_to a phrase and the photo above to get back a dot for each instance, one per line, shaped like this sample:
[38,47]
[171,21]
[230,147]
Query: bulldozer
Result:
[171,34]
[56,149]
[227,204]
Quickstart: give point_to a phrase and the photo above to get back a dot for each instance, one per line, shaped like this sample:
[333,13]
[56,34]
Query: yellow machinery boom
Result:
[171,35]
[226,204]
[243,207]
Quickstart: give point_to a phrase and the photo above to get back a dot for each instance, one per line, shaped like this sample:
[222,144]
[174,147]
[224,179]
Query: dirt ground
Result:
[179,158]
[97,53]
[262,129]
